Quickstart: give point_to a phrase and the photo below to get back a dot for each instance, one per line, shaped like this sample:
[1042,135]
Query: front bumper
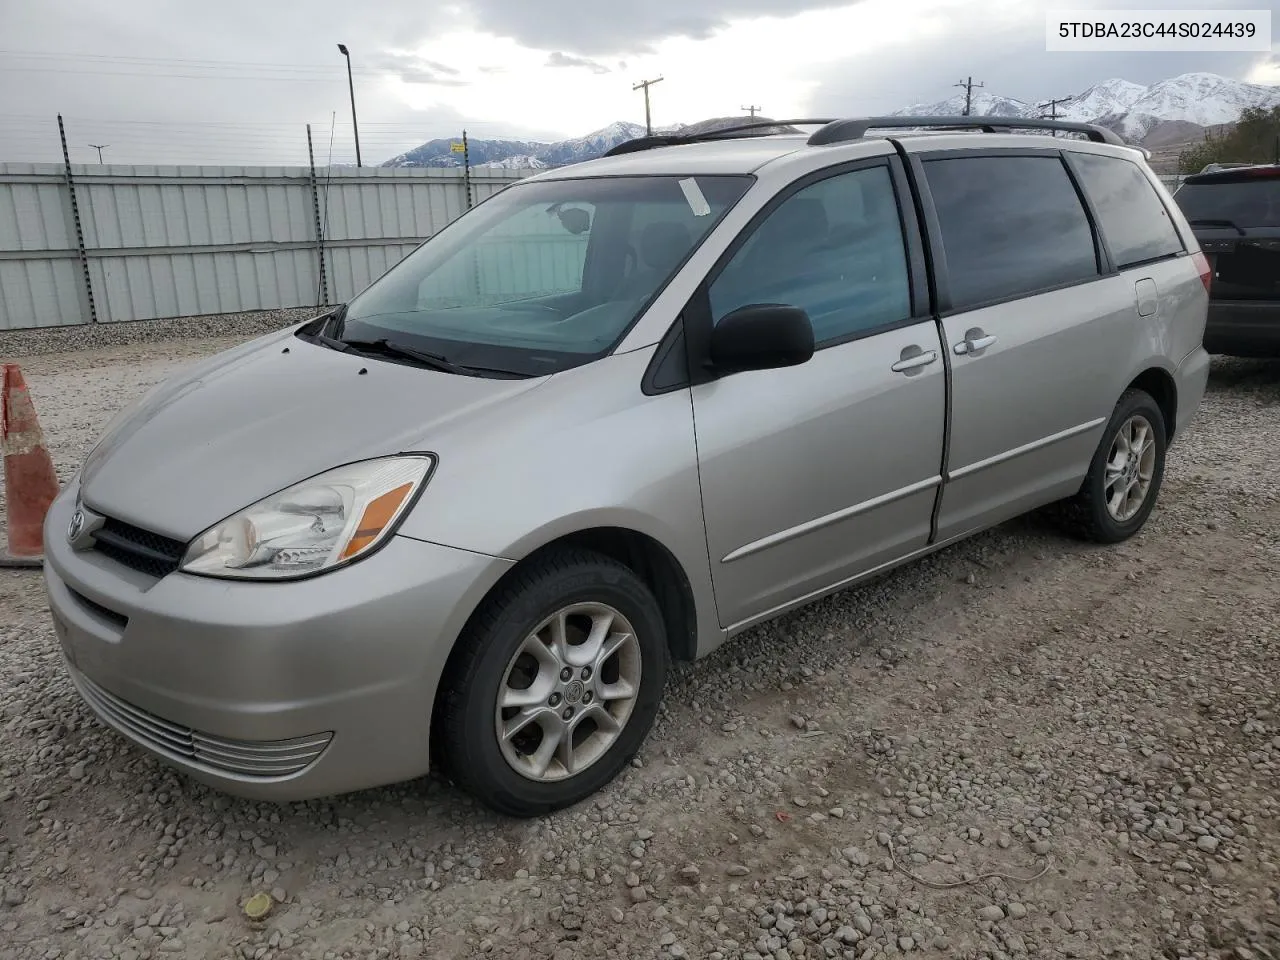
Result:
[1243,328]
[274,691]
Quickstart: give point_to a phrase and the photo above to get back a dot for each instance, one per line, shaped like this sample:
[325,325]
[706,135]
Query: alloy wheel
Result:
[568,692]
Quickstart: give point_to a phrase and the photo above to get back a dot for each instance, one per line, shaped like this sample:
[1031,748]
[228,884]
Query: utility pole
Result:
[1052,107]
[645,85]
[968,93]
[751,110]
[351,86]
[99,148]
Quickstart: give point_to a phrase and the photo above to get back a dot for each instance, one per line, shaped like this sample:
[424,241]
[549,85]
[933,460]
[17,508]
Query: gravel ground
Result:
[27,343]
[1021,746]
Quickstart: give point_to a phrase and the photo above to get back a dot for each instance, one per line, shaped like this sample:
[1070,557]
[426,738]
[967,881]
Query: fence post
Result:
[466,179]
[322,288]
[75,216]
[466,167]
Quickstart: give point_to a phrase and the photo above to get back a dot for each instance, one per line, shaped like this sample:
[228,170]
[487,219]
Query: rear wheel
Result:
[555,684]
[1125,476]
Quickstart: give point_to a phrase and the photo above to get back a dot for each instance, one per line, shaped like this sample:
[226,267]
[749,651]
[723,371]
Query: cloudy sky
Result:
[233,81]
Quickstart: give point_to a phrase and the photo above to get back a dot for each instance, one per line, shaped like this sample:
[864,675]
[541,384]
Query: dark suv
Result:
[1235,213]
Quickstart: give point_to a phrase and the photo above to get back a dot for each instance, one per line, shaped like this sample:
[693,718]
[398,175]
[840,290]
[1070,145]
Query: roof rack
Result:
[674,139]
[855,128]
[842,131]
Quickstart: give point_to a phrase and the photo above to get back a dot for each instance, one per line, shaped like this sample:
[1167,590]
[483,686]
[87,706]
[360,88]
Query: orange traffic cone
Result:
[29,478]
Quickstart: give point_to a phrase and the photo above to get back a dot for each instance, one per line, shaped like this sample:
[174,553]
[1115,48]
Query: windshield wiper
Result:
[434,361]
[1218,223]
[424,358]
[340,345]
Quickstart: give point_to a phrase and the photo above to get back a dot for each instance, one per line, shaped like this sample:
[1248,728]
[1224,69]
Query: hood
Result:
[246,423]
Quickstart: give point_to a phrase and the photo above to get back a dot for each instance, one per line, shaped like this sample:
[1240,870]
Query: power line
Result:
[968,93]
[257,78]
[190,64]
[275,122]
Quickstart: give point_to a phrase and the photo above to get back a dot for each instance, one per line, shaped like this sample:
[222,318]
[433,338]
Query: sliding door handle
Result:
[975,341]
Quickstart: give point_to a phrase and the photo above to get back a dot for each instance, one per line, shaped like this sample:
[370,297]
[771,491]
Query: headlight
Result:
[315,525]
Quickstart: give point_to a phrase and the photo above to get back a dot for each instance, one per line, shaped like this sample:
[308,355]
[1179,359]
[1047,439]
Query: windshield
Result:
[545,275]
[1252,203]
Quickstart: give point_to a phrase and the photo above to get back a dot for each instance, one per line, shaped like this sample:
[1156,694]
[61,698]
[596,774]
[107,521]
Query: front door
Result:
[815,473]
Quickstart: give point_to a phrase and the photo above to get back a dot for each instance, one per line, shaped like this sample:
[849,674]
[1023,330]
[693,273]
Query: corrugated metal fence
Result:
[164,241]
[187,241]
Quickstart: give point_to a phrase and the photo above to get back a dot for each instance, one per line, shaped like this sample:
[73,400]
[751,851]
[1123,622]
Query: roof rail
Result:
[842,131]
[673,139]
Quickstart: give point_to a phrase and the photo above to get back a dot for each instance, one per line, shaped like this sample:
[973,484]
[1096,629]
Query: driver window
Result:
[835,249]
[536,252]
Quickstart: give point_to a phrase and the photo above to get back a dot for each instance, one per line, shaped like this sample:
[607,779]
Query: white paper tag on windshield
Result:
[693,193]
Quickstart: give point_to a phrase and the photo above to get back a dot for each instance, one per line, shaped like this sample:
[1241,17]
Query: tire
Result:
[1091,513]
[512,640]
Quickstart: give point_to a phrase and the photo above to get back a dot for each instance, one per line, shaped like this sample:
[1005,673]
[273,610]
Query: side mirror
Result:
[762,337]
[575,220]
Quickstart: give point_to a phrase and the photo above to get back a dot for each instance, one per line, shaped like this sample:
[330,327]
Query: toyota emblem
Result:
[76,526]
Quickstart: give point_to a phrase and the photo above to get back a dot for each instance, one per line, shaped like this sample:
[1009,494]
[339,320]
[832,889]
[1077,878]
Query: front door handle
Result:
[975,341]
[915,361]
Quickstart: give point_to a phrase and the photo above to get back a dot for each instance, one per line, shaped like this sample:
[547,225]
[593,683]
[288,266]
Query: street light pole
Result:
[352,87]
[99,147]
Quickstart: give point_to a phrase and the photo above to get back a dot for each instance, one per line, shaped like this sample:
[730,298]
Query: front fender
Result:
[588,450]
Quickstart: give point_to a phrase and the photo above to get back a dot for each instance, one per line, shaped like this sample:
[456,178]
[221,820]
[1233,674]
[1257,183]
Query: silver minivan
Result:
[611,417]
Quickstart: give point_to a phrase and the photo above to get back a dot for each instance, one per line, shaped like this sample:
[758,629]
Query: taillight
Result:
[1206,271]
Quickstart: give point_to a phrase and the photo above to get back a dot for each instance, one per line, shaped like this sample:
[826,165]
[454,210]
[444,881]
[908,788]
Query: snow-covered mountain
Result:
[1173,108]
[590,146]
[520,153]
[1205,99]
[983,104]
[1132,110]
[1101,100]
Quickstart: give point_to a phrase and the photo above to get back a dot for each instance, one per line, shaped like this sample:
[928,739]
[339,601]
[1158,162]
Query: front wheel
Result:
[1120,490]
[554,685]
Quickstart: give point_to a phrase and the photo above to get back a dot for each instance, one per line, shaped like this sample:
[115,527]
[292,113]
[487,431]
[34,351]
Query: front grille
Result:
[244,758]
[138,549]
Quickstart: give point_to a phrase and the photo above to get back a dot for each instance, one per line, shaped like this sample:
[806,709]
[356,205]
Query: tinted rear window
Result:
[1133,218]
[1254,203]
[1011,226]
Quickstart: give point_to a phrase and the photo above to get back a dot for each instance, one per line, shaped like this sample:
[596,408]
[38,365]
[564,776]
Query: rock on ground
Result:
[1036,748]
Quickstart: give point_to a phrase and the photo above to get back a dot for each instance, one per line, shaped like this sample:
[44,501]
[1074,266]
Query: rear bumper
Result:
[1243,328]
[1190,380]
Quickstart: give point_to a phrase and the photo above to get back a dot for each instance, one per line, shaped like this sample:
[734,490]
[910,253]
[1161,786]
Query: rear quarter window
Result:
[1011,226]
[1133,218]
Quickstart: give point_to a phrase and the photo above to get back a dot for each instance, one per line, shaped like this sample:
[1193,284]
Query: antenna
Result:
[968,93]
[752,110]
[645,85]
[99,147]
